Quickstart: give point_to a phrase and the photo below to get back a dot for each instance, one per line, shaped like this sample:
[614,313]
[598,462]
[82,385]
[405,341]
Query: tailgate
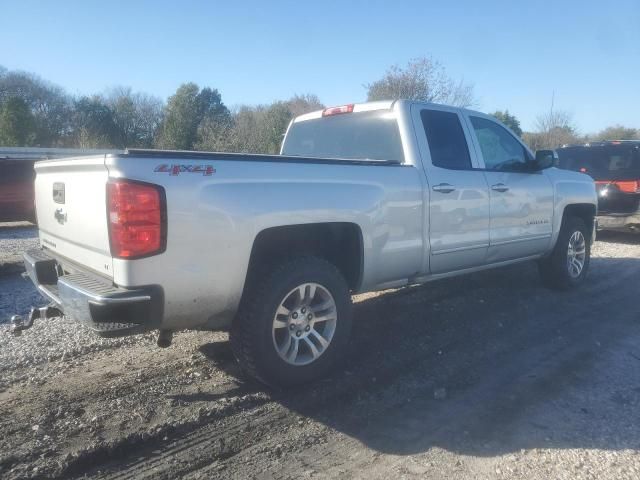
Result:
[71,209]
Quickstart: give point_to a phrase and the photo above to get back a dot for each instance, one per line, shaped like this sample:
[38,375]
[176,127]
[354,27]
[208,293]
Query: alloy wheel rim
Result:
[304,324]
[576,254]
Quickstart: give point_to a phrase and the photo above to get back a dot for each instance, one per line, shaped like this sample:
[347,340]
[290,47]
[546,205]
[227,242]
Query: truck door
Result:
[458,193]
[521,200]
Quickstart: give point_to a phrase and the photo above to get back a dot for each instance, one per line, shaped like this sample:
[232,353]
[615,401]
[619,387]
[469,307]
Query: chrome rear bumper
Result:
[105,308]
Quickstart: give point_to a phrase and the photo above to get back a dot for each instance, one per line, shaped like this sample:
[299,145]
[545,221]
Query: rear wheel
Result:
[293,323]
[568,264]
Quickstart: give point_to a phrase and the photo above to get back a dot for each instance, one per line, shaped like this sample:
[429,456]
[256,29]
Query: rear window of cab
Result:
[372,135]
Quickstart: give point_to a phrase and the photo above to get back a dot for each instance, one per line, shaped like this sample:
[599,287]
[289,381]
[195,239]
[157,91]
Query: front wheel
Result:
[293,323]
[568,264]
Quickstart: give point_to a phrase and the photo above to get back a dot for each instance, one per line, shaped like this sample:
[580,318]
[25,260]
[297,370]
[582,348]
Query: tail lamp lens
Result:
[628,186]
[137,219]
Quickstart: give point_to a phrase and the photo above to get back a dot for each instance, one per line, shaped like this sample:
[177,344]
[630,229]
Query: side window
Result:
[499,149]
[447,144]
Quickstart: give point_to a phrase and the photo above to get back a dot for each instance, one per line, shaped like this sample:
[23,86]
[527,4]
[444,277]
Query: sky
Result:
[517,54]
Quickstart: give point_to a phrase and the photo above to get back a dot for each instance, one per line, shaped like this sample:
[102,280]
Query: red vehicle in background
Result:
[615,167]
[16,190]
[17,202]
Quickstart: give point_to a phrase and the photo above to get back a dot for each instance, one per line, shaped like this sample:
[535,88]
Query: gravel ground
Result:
[484,376]
[15,238]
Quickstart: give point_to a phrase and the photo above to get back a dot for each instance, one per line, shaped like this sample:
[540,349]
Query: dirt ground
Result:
[485,376]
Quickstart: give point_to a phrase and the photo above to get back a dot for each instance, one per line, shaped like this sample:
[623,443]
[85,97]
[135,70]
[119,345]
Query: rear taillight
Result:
[626,186]
[137,219]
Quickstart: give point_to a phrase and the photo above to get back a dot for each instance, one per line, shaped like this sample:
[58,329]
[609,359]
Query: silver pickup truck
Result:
[362,197]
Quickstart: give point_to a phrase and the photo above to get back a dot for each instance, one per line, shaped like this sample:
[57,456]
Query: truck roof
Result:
[370,106]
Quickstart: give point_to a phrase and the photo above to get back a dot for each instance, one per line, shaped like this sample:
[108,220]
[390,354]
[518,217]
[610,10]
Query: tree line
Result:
[35,112]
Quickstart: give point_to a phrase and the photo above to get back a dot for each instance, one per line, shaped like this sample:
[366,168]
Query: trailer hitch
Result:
[18,324]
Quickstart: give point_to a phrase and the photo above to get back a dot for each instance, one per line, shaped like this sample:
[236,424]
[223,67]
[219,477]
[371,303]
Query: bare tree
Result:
[422,79]
[92,124]
[301,104]
[554,129]
[616,132]
[136,115]
[256,129]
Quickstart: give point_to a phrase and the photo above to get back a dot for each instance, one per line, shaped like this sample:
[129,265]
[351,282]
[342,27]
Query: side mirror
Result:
[545,159]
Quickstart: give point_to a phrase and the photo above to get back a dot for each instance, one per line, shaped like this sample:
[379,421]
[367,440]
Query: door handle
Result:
[443,188]
[499,187]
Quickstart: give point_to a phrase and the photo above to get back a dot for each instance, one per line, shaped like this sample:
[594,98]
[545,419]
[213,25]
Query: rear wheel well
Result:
[585,211]
[340,243]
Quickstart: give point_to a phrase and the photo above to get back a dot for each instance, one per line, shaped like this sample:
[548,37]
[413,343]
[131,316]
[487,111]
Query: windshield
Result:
[370,135]
[603,162]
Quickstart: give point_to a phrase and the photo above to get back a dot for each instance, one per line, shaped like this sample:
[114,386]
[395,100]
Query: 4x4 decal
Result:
[175,169]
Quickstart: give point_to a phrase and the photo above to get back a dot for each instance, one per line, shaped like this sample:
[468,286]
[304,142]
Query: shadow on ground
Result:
[484,364]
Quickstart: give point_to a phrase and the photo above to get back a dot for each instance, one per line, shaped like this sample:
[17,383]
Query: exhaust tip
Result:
[165,338]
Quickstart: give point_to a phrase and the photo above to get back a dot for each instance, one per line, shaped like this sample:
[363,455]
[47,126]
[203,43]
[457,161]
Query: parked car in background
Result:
[16,190]
[17,202]
[615,167]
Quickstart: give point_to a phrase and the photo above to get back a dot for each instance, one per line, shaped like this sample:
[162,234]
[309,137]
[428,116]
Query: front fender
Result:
[570,188]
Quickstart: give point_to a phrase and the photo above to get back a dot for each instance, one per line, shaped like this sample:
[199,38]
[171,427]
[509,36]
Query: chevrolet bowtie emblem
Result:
[60,216]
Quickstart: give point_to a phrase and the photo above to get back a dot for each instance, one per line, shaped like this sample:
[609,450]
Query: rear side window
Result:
[500,150]
[447,143]
[370,135]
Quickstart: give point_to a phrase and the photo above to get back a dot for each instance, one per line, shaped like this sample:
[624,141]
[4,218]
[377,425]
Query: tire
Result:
[557,271]
[265,321]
